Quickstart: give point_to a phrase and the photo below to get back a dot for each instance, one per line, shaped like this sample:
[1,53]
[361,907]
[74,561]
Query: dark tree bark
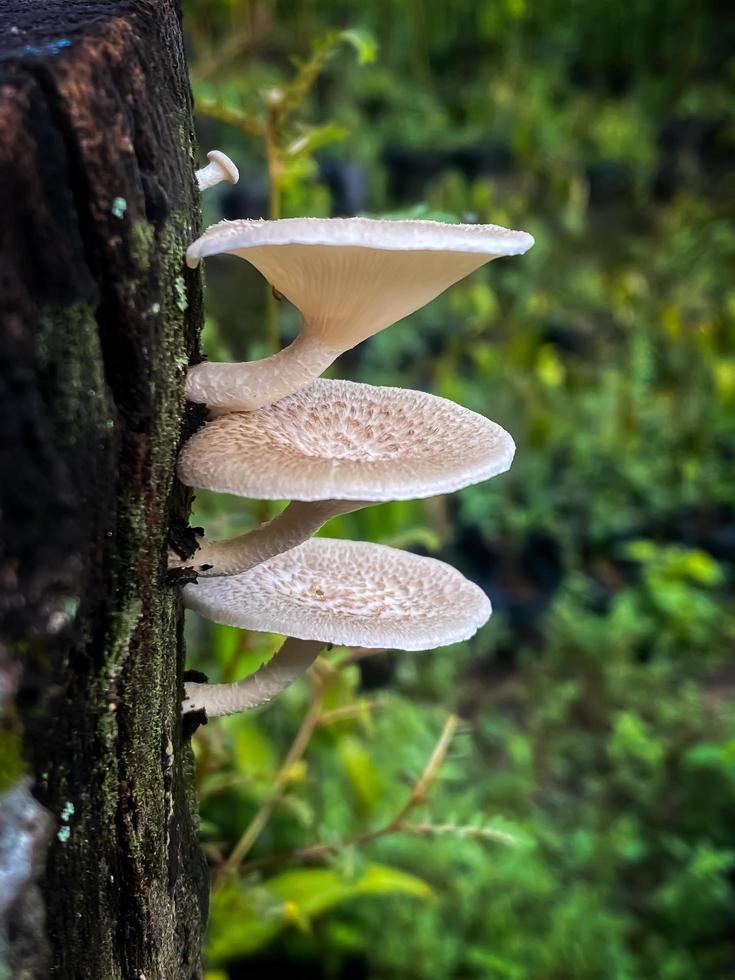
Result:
[100,872]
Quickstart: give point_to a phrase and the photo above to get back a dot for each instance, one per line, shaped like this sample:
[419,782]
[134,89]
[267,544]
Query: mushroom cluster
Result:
[278,431]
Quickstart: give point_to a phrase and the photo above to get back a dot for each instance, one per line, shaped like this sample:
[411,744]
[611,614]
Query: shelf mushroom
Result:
[349,277]
[219,168]
[331,448]
[331,591]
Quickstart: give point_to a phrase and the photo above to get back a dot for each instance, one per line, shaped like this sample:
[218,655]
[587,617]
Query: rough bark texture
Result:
[100,871]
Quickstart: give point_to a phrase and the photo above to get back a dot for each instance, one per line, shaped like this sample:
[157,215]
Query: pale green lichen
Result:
[180,287]
[68,811]
[71,607]
[64,833]
[119,207]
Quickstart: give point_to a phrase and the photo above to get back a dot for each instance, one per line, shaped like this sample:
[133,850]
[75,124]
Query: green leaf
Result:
[255,753]
[416,537]
[361,772]
[314,138]
[242,921]
[316,890]
[364,44]
[245,920]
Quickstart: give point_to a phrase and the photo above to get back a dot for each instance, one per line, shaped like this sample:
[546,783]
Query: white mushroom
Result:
[332,591]
[333,447]
[289,663]
[219,168]
[349,277]
[297,522]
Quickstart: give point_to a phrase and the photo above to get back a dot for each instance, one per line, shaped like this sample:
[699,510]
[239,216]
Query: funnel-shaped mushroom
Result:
[331,591]
[349,277]
[333,447]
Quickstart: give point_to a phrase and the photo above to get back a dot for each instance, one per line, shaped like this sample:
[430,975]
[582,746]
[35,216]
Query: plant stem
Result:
[231,117]
[473,833]
[275,168]
[265,811]
[348,712]
[394,826]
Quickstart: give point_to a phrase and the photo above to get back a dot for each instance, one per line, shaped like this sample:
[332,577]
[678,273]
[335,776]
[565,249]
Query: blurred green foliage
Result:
[600,730]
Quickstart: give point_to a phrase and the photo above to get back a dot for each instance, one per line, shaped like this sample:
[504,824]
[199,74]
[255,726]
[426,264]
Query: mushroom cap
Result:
[352,277]
[349,593]
[229,170]
[346,441]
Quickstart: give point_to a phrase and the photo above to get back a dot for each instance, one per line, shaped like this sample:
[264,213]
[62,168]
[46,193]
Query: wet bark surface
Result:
[100,871]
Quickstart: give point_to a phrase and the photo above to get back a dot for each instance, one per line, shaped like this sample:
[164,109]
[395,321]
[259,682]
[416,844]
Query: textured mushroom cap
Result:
[229,170]
[348,592]
[351,277]
[347,441]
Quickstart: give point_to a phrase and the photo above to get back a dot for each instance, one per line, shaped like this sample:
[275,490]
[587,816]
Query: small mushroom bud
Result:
[219,168]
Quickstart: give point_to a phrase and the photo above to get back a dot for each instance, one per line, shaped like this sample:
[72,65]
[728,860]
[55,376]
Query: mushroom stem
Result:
[290,528]
[219,168]
[246,386]
[282,669]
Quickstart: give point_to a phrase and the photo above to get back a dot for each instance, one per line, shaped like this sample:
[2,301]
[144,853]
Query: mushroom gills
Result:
[349,277]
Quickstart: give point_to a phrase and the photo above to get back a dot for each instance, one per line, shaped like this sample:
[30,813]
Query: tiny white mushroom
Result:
[333,447]
[219,168]
[349,277]
[332,591]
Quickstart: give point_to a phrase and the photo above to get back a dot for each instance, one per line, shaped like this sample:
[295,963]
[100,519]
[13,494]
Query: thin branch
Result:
[461,830]
[431,770]
[348,712]
[232,117]
[394,826]
[309,71]
[281,780]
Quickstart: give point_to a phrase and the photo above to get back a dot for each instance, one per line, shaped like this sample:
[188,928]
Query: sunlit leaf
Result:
[363,776]
[244,920]
[255,753]
[416,537]
[364,44]
[315,138]
[315,890]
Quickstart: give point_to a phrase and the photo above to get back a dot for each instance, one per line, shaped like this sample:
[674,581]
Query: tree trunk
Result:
[101,876]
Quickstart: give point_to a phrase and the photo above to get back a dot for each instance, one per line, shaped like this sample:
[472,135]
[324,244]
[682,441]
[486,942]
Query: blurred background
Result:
[556,798]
